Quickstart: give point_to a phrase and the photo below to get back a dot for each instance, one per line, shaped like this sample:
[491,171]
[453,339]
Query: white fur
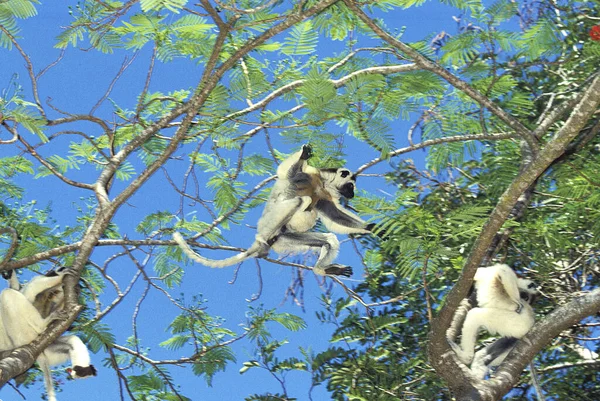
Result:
[480,367]
[21,323]
[285,209]
[499,310]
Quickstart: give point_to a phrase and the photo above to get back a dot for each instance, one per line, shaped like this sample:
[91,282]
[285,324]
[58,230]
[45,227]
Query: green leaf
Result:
[97,335]
[175,342]
[541,39]
[157,5]
[213,361]
[248,365]
[20,8]
[289,321]
[302,40]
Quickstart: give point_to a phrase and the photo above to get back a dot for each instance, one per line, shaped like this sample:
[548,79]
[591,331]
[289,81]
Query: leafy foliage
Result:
[195,149]
[302,40]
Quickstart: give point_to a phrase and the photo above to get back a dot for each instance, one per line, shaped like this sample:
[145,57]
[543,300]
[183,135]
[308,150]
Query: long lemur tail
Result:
[211,262]
[49,384]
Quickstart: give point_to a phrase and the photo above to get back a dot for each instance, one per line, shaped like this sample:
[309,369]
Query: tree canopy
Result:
[474,142]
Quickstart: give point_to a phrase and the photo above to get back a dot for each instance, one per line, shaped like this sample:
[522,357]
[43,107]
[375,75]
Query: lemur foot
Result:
[465,357]
[61,271]
[338,270]
[60,314]
[264,247]
[81,372]
[519,308]
[306,152]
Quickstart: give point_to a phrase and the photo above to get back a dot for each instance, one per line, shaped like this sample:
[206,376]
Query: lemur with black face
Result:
[300,196]
[26,312]
[501,304]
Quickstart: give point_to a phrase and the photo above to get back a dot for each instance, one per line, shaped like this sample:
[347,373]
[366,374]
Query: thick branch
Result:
[13,244]
[540,335]
[106,211]
[439,350]
[21,359]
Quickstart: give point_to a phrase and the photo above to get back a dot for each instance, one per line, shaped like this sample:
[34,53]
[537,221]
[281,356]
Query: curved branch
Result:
[31,150]
[24,356]
[540,335]
[246,10]
[337,83]
[81,117]
[29,64]
[440,354]
[453,80]
[20,359]
[431,142]
[11,130]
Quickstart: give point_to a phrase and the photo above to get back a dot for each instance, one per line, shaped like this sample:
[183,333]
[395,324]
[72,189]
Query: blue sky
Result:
[75,85]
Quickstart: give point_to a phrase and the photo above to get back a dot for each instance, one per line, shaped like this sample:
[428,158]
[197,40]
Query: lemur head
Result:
[528,290]
[340,179]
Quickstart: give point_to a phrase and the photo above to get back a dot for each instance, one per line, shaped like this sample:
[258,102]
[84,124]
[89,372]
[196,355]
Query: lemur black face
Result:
[347,190]
[528,297]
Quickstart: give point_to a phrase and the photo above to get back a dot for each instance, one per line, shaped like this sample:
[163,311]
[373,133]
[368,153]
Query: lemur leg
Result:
[494,321]
[326,244]
[40,284]
[295,163]
[474,321]
[491,356]
[457,321]
[21,320]
[277,216]
[70,347]
[22,324]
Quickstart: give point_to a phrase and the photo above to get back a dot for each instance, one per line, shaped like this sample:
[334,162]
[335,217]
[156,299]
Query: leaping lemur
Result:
[301,194]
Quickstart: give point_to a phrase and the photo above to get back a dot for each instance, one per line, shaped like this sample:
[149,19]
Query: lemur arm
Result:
[339,220]
[509,281]
[295,163]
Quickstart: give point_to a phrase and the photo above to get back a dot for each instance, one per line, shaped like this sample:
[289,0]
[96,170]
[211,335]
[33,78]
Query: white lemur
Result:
[26,312]
[501,304]
[300,195]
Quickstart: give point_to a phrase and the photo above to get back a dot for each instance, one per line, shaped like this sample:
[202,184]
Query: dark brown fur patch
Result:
[81,371]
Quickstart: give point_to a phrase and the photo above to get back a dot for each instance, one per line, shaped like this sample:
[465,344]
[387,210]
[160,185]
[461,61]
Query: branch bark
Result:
[507,376]
[23,357]
[440,354]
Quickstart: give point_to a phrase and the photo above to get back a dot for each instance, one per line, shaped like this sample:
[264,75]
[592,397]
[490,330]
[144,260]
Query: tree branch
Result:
[453,80]
[337,83]
[440,354]
[507,376]
[431,142]
[105,212]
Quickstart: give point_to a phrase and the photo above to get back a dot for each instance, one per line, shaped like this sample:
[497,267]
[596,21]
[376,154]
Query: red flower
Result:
[595,33]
